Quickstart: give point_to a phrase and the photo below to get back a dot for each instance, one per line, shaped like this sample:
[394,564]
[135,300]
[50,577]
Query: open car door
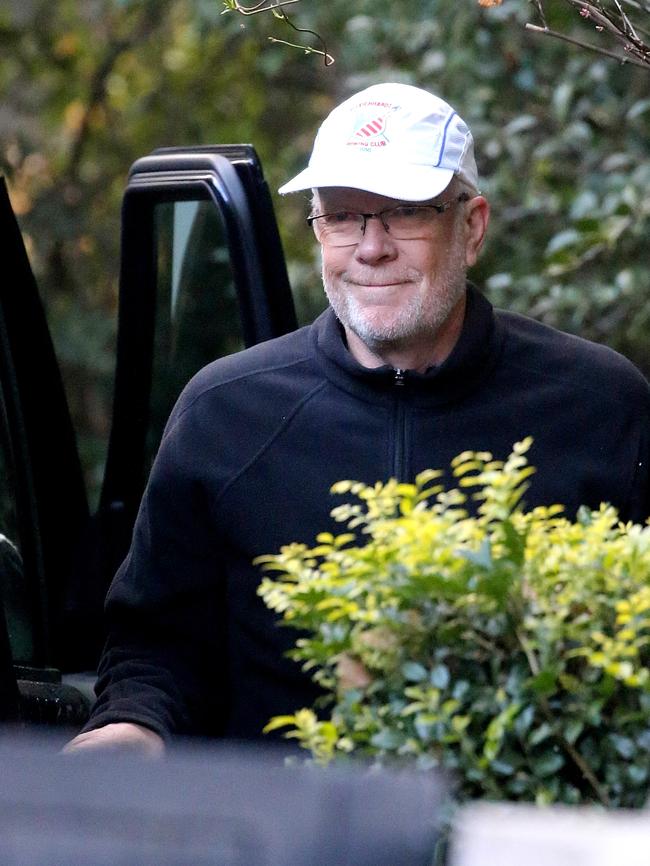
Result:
[202,275]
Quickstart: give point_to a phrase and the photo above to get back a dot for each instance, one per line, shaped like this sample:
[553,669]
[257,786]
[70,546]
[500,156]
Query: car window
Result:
[197,316]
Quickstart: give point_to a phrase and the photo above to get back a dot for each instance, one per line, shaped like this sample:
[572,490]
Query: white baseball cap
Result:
[394,140]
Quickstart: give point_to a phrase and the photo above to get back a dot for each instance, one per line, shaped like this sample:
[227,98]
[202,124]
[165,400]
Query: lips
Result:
[375,285]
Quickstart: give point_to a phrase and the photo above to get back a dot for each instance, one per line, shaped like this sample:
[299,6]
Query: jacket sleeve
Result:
[163,663]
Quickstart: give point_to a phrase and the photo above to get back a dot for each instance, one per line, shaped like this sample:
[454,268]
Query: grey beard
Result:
[422,317]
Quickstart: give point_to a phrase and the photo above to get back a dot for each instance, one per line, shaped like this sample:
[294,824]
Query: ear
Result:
[477,217]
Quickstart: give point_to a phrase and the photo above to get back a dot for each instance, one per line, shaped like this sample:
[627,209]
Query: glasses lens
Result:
[340,229]
[406,223]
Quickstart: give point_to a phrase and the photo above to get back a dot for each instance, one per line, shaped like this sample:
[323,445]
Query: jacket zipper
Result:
[399,447]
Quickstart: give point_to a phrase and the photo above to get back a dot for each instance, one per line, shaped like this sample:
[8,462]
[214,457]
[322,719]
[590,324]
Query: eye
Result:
[339,217]
[408,212]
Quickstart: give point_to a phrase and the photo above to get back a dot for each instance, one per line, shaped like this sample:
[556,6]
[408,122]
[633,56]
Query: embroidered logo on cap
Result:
[370,129]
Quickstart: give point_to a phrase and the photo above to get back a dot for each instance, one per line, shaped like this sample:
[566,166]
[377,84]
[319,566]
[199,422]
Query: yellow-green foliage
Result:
[510,647]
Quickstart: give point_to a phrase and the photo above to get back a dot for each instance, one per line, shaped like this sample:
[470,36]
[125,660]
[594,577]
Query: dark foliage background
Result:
[561,144]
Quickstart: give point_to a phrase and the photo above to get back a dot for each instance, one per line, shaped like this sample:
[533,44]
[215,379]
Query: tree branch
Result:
[306,48]
[97,90]
[621,29]
[278,11]
[568,747]
[235,6]
[606,16]
[323,52]
[623,59]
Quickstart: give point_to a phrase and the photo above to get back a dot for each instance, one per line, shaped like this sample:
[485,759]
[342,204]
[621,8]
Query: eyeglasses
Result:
[405,222]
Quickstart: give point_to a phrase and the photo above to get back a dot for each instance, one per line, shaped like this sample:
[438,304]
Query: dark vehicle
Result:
[202,275]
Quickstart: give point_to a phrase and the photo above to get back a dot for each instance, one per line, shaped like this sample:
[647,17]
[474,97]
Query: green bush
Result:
[510,647]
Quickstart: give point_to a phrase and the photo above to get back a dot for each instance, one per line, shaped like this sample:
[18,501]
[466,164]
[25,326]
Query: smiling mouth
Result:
[378,285]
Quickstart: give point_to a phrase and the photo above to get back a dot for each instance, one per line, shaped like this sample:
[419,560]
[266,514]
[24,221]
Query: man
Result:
[409,366]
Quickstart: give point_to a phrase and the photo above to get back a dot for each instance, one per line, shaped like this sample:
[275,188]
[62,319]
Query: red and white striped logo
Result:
[370,133]
[372,129]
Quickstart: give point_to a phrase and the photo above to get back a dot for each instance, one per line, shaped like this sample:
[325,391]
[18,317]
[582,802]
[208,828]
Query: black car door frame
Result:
[230,177]
[51,502]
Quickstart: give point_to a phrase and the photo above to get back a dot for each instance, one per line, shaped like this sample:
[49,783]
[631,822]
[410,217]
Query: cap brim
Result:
[410,183]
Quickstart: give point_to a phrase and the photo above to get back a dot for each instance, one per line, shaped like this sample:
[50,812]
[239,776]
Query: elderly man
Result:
[407,367]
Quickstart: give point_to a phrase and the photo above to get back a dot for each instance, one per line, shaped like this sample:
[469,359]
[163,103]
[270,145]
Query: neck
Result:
[418,354]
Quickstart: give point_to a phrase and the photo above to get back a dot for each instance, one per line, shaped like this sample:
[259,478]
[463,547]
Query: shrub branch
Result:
[567,747]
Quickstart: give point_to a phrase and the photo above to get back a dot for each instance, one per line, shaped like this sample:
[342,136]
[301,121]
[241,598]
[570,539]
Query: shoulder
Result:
[548,353]
[268,360]
[242,397]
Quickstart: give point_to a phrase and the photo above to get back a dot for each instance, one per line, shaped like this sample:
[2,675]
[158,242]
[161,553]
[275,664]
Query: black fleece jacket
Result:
[246,464]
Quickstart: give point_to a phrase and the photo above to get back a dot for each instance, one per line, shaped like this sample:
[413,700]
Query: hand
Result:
[118,736]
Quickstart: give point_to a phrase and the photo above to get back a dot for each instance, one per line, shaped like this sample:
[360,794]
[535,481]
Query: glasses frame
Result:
[438,208]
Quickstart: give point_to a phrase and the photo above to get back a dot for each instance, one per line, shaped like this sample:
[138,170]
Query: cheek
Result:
[333,261]
[430,264]
[430,258]
[449,256]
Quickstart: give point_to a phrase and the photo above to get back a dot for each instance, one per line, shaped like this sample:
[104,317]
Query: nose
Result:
[376,244]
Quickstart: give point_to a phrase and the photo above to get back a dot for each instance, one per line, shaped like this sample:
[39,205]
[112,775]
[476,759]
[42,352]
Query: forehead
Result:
[345,198]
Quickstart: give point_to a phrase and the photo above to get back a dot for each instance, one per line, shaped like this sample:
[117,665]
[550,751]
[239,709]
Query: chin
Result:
[377,335]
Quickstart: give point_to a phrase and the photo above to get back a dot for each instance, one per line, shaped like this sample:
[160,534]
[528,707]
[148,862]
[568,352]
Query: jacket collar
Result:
[470,362]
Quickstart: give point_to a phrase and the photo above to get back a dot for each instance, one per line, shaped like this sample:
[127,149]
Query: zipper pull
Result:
[399,377]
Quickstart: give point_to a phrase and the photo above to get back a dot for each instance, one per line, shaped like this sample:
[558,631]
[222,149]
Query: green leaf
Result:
[566,239]
[543,732]
[414,672]
[625,747]
[439,676]
[638,109]
[637,774]
[572,730]
[503,768]
[545,683]
[481,557]
[524,720]
[387,740]
[548,764]
[279,722]
[424,724]
[643,739]
[515,543]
